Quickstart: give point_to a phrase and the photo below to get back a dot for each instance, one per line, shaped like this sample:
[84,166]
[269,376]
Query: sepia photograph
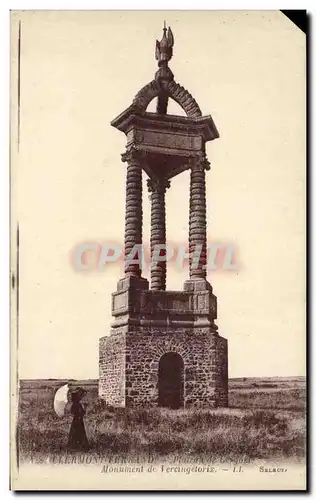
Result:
[158,250]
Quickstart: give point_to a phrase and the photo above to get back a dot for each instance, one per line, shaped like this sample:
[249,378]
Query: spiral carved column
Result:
[133,212]
[157,188]
[197,219]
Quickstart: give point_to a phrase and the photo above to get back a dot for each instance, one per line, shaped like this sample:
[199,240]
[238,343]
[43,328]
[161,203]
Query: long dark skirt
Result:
[77,439]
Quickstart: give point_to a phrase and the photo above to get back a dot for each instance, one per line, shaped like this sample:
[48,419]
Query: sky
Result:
[79,70]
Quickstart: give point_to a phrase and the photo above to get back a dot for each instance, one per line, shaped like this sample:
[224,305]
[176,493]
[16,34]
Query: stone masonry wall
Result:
[201,353]
[204,356]
[222,371]
[112,369]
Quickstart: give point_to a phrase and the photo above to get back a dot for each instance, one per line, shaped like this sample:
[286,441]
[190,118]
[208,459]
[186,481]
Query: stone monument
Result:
[164,348]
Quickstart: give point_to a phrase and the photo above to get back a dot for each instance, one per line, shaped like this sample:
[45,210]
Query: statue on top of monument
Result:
[164,47]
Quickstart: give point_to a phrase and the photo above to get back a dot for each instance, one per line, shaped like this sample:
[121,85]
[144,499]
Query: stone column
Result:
[133,211]
[197,218]
[157,188]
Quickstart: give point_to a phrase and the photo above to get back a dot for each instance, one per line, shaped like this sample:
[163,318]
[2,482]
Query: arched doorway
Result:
[171,380]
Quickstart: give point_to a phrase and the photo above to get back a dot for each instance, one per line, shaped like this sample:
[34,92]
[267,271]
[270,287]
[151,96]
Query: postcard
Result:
[158,194]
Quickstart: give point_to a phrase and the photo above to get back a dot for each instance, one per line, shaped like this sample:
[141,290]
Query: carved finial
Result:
[164,51]
[164,47]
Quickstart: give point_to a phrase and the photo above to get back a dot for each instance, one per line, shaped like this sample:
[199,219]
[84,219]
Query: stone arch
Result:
[171,380]
[170,345]
[146,95]
[184,99]
[179,94]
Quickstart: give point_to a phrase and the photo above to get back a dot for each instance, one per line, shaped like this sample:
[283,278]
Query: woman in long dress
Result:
[77,439]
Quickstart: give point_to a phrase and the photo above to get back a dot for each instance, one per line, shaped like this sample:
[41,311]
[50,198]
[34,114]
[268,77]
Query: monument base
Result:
[163,350]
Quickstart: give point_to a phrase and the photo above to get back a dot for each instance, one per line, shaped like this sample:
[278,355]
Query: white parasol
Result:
[61,400]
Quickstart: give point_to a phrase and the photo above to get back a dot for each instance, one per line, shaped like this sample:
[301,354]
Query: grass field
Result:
[265,419]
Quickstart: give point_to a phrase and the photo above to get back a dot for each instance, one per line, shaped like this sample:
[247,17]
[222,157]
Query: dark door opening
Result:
[170,380]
